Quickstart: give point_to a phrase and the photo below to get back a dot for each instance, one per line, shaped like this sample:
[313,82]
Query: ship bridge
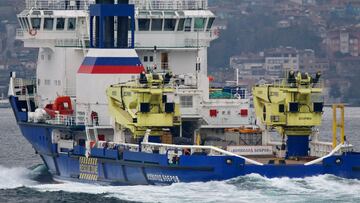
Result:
[170,35]
[176,24]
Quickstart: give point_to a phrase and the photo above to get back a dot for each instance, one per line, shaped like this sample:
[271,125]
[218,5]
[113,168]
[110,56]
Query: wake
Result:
[11,178]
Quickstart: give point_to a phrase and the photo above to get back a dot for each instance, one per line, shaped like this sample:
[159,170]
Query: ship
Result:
[122,97]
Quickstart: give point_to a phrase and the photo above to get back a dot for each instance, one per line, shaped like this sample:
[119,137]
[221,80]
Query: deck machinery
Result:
[144,104]
[293,107]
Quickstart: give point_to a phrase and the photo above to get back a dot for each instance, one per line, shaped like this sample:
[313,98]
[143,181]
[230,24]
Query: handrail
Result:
[202,147]
[140,4]
[336,149]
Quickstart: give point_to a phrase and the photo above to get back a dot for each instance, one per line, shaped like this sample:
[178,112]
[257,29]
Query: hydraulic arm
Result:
[293,106]
[147,103]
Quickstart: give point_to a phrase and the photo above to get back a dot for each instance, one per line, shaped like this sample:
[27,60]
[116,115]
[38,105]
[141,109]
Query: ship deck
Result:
[281,161]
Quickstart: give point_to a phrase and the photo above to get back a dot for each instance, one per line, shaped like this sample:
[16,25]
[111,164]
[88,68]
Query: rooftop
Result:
[140,4]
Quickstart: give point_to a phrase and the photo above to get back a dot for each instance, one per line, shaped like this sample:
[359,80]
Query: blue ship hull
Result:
[115,167]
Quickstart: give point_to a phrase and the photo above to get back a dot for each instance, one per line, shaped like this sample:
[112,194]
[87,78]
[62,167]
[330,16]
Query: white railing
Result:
[130,147]
[338,149]
[210,150]
[320,149]
[68,43]
[170,4]
[196,43]
[140,4]
[58,4]
[63,120]
[70,91]
[20,32]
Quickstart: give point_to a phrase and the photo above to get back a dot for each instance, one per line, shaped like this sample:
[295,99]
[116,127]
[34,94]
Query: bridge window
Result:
[22,24]
[48,13]
[187,25]
[181,25]
[156,24]
[199,24]
[144,24]
[210,23]
[169,24]
[71,23]
[36,13]
[35,22]
[48,24]
[60,23]
[27,23]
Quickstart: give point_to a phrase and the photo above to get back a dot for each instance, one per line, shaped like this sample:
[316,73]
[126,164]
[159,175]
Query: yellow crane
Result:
[144,104]
[293,107]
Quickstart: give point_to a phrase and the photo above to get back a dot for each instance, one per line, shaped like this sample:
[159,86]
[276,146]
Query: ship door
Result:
[164,61]
[83,25]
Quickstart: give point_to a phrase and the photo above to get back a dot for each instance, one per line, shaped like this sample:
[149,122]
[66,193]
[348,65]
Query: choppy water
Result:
[18,183]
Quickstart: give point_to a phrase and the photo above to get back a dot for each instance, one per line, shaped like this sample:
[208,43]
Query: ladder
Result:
[337,124]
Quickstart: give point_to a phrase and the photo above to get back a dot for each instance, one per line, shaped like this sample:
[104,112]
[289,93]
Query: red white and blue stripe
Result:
[111,61]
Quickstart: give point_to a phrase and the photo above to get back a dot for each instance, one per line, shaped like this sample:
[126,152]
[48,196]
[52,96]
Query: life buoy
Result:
[32,32]
[216,32]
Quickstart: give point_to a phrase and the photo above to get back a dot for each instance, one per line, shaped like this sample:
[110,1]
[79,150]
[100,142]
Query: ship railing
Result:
[284,83]
[192,149]
[319,148]
[65,120]
[196,43]
[59,4]
[68,43]
[70,91]
[140,4]
[170,4]
[130,147]
[20,32]
[338,149]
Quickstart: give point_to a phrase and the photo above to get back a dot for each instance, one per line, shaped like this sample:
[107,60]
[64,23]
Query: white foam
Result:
[251,188]
[14,177]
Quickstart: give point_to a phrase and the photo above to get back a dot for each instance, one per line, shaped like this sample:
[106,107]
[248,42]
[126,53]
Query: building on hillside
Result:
[272,64]
[306,59]
[344,41]
[249,65]
[281,60]
[304,2]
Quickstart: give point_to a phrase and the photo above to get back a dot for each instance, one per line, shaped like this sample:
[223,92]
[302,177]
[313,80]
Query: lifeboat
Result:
[244,130]
[249,130]
[62,106]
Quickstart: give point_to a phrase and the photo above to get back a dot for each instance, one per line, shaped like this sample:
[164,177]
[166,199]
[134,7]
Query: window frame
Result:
[45,20]
[188,21]
[147,26]
[173,21]
[158,28]
[32,23]
[210,23]
[181,24]
[196,21]
[63,25]
[68,24]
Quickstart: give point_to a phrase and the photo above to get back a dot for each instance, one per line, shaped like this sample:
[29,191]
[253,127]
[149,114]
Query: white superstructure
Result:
[171,35]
